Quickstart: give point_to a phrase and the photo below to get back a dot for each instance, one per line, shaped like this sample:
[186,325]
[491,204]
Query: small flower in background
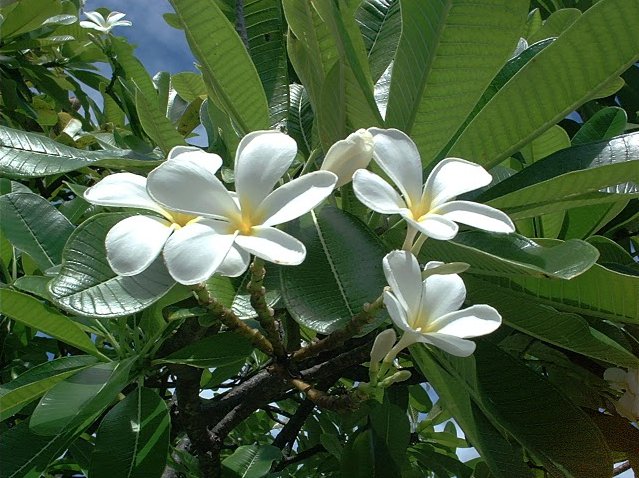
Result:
[627,382]
[104,25]
[348,155]
[134,243]
[430,208]
[246,218]
[427,310]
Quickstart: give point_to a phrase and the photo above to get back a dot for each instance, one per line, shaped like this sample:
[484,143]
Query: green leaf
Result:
[133,438]
[555,24]
[225,62]
[391,431]
[218,350]
[33,225]
[358,459]
[598,292]
[549,142]
[86,285]
[539,417]
[30,155]
[606,168]
[570,76]
[512,255]
[448,53]
[604,124]
[33,383]
[133,69]
[380,23]
[342,270]
[34,285]
[299,123]
[31,312]
[189,85]
[28,15]
[250,461]
[156,125]
[565,330]
[504,458]
[86,393]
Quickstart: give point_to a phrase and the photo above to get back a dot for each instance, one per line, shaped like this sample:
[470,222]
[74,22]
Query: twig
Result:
[356,324]
[265,314]
[287,435]
[303,455]
[345,402]
[230,320]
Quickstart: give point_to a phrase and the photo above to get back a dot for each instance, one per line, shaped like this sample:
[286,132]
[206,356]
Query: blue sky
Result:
[160,47]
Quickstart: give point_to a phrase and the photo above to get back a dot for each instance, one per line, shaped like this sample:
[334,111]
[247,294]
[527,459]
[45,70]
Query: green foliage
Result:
[269,375]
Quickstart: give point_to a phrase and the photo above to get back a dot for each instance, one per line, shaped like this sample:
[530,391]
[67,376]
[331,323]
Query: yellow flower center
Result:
[244,223]
[179,219]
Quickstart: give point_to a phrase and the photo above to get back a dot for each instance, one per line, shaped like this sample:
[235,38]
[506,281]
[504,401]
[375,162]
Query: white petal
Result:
[193,253]
[376,193]
[190,186]
[262,159]
[435,226]
[441,295]
[296,198]
[96,17]
[628,406]
[396,312]
[404,277]
[121,23]
[181,153]
[122,190]
[114,17]
[273,245]
[452,177]
[451,344]
[348,155]
[476,215]
[382,345]
[93,26]
[397,155]
[235,263]
[471,322]
[135,242]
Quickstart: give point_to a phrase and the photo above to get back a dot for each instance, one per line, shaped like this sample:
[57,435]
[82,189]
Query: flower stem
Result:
[411,232]
[229,319]
[357,322]
[322,399]
[265,314]
[418,244]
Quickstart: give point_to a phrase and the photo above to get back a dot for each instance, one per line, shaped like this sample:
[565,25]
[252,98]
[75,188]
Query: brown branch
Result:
[354,326]
[265,314]
[301,456]
[619,469]
[289,432]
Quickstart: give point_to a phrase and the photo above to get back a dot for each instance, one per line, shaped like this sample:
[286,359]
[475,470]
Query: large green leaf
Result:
[606,167]
[31,312]
[155,123]
[391,435]
[504,458]
[448,53]
[593,50]
[28,15]
[225,62]
[133,438]
[36,381]
[86,393]
[598,292]
[86,285]
[565,330]
[538,416]
[342,270]
[30,155]
[512,255]
[133,70]
[299,123]
[33,225]
[381,23]
[250,461]
[218,350]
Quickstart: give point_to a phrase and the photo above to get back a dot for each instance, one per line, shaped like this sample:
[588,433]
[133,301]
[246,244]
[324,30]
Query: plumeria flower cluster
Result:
[628,383]
[104,25]
[200,228]
[205,228]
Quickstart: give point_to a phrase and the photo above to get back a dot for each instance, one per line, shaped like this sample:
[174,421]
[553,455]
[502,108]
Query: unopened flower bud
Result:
[399,376]
[382,345]
[348,155]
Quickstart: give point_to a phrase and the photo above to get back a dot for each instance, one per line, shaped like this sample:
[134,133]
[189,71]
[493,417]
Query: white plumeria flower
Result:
[348,155]
[427,310]
[628,382]
[134,243]
[246,218]
[104,25]
[430,208]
